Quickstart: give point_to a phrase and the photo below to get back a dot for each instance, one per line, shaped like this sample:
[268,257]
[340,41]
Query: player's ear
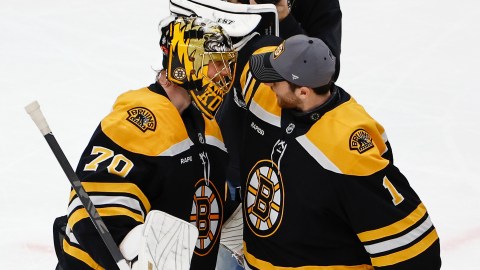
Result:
[303,92]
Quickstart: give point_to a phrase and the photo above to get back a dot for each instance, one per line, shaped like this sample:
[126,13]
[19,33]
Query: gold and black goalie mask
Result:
[199,56]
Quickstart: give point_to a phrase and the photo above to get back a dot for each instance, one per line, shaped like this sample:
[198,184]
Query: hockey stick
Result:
[37,116]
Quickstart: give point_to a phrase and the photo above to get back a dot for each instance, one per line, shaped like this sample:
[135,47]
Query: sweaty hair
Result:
[318,90]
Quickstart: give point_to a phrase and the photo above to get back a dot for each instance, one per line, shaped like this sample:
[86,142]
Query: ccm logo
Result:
[257,128]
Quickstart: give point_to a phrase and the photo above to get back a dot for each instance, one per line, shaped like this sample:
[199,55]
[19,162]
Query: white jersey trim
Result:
[212,140]
[177,148]
[318,155]
[71,237]
[262,114]
[247,83]
[385,140]
[103,200]
[400,241]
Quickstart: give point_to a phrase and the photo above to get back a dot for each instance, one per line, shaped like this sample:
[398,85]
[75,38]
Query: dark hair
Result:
[318,90]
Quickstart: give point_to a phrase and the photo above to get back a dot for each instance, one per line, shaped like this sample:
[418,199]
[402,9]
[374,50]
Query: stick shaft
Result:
[37,116]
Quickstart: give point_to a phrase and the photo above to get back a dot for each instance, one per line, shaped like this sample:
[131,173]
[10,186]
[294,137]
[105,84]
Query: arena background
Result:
[413,64]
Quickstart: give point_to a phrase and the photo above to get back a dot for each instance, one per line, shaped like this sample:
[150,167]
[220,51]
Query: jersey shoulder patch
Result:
[347,140]
[147,123]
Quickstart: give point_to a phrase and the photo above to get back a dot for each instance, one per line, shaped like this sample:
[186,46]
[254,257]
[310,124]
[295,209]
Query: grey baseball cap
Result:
[302,60]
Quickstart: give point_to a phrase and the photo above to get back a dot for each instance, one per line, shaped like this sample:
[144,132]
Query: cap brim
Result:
[262,69]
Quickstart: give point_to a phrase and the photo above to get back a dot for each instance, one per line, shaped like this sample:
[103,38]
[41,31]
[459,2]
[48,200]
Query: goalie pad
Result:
[242,22]
[232,234]
[164,242]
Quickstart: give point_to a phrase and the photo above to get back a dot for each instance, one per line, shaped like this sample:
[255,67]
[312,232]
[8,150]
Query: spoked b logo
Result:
[264,199]
[207,216]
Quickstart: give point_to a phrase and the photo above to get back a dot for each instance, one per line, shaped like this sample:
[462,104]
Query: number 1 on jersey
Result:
[397,198]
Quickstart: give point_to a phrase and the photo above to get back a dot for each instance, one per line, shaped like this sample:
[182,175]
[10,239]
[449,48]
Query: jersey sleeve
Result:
[107,174]
[390,220]
[116,169]
[375,199]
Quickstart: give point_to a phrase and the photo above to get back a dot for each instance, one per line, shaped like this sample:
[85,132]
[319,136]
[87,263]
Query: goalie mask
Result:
[198,55]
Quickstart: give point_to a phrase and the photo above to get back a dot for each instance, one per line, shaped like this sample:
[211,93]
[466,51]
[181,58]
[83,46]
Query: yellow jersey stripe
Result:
[396,227]
[81,213]
[264,265]
[115,188]
[408,253]
[401,241]
[80,255]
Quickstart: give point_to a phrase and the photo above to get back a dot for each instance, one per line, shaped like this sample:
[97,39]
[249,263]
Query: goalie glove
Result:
[163,242]
[232,234]
[242,22]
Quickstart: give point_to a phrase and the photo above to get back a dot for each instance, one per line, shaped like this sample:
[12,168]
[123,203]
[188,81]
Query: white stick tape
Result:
[37,116]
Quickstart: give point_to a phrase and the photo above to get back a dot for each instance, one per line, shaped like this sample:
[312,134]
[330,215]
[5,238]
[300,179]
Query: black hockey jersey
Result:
[320,190]
[144,155]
